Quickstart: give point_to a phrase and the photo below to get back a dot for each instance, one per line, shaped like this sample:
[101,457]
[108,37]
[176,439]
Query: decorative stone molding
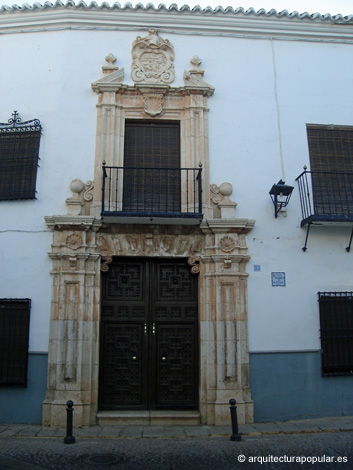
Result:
[149,245]
[153,103]
[220,197]
[75,202]
[227,244]
[110,59]
[227,263]
[152,59]
[69,222]
[82,193]
[74,240]
[195,62]
[113,77]
[193,78]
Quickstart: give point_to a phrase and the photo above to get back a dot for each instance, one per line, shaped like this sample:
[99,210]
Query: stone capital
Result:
[215,226]
[72,222]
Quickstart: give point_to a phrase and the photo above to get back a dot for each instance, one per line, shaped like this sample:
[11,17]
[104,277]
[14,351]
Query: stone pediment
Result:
[193,78]
[110,82]
[193,81]
[152,71]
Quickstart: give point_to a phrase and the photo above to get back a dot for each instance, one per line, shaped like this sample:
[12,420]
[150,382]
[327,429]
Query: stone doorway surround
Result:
[217,253]
[84,244]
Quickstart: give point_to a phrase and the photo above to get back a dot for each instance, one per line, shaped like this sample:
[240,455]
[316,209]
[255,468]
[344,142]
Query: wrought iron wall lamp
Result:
[280,194]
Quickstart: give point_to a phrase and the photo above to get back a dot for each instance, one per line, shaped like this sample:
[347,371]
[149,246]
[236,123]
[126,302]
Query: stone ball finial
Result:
[226,189]
[76,186]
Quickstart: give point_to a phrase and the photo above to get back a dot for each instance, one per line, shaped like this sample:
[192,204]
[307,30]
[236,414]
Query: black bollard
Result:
[233,415]
[69,439]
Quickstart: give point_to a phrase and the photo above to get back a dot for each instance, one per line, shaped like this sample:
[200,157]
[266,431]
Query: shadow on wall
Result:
[24,405]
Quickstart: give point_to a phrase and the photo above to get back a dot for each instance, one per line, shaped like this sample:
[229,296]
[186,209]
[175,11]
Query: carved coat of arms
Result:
[152,60]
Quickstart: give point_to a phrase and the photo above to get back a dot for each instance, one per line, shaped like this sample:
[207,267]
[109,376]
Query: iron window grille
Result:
[151,184]
[19,153]
[336,327]
[14,339]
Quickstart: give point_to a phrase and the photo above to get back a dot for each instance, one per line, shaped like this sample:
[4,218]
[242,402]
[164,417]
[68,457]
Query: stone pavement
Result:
[319,425]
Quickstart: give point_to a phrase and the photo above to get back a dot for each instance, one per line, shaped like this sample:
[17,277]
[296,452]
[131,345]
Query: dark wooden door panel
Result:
[174,283]
[149,336]
[125,282]
[175,366]
[124,370]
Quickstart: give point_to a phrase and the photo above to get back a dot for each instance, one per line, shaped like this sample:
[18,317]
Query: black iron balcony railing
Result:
[325,196]
[152,192]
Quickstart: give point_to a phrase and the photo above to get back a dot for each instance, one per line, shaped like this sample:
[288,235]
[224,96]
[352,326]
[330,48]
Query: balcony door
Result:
[149,335]
[331,162]
[152,167]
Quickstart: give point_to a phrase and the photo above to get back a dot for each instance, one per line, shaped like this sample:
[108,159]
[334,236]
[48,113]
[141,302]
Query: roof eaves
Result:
[174,7]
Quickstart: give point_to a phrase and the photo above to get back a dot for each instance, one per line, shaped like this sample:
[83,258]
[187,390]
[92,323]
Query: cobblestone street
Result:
[322,450]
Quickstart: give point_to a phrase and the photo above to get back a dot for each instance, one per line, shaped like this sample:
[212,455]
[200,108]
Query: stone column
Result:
[109,128]
[74,320]
[223,317]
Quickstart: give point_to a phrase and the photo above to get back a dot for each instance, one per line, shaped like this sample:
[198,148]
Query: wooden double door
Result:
[149,335]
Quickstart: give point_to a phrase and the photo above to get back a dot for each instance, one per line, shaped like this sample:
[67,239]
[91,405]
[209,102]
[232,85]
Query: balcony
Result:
[152,195]
[326,198]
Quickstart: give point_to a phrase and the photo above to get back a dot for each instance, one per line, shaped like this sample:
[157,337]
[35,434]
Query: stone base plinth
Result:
[55,415]
[218,412]
[245,413]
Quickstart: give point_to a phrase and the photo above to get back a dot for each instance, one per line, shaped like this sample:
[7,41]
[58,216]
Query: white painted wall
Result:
[266,91]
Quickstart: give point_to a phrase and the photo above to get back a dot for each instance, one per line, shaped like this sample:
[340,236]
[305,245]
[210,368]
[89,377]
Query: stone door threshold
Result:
[145,418]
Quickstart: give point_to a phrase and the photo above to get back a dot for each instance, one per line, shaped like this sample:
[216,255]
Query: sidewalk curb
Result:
[172,436]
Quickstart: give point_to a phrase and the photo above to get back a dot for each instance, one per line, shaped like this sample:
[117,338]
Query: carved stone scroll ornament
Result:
[223,205]
[195,265]
[215,194]
[106,261]
[152,60]
[88,196]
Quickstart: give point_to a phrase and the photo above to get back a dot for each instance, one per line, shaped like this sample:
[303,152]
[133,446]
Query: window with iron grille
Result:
[152,166]
[336,325]
[19,150]
[331,163]
[14,336]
